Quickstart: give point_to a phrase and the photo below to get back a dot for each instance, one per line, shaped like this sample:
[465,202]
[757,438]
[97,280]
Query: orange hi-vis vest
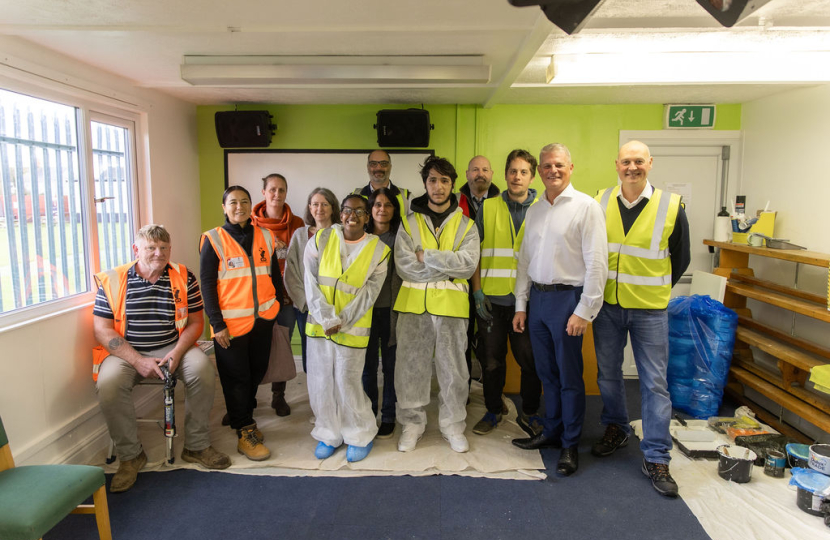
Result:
[244,285]
[114,283]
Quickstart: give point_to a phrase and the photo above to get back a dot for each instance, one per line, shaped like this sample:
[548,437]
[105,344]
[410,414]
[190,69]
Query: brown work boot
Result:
[250,445]
[127,472]
[208,458]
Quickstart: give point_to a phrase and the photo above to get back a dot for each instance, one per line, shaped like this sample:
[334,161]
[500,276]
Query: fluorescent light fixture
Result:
[600,69]
[258,71]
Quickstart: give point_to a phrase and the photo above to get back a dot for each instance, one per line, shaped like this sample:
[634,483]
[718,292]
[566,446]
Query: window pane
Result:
[113,193]
[42,239]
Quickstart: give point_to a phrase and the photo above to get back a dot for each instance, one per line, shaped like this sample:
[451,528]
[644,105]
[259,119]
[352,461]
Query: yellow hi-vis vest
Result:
[114,283]
[500,248]
[402,197]
[639,267]
[447,298]
[340,287]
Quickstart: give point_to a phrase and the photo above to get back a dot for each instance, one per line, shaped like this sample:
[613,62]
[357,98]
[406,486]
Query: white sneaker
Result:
[410,435]
[457,442]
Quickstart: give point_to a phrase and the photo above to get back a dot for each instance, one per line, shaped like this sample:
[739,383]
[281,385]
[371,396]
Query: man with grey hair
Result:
[562,268]
[148,314]
[379,166]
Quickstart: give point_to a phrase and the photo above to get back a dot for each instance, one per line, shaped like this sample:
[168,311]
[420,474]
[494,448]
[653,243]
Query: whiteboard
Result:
[341,171]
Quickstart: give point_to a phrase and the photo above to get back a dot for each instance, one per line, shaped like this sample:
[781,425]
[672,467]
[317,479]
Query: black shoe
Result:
[537,442]
[226,420]
[568,461]
[279,404]
[615,437]
[660,478]
[386,430]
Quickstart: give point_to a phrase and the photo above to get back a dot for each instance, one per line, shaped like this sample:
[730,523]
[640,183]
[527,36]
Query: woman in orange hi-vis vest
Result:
[242,292]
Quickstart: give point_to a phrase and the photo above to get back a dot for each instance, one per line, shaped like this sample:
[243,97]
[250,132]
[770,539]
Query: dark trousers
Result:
[471,340]
[558,362]
[241,367]
[492,351]
[286,317]
[302,316]
[379,341]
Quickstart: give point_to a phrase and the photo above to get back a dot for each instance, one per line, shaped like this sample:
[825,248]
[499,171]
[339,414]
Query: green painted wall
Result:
[461,131]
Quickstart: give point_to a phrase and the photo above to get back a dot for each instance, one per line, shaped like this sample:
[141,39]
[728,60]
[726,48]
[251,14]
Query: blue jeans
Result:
[558,362]
[379,341]
[649,331]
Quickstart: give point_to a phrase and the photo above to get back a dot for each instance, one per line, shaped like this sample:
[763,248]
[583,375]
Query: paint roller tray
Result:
[695,439]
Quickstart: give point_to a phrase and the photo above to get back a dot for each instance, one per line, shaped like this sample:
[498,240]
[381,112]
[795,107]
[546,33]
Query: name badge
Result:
[236,262]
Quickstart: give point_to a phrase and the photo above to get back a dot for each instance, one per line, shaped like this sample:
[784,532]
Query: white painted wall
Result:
[786,142]
[47,398]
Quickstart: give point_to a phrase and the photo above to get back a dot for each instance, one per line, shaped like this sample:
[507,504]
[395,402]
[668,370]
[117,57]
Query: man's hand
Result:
[519,321]
[333,330]
[576,325]
[148,367]
[173,359]
[483,306]
[420,255]
[223,338]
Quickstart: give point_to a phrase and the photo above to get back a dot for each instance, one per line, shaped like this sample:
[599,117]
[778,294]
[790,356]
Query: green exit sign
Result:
[690,117]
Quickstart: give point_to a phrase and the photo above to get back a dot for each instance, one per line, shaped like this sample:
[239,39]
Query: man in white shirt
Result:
[562,268]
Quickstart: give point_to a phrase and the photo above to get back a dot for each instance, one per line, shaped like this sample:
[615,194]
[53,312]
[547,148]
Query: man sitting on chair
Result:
[148,313]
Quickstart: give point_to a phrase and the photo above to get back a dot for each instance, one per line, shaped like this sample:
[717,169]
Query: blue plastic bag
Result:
[701,342]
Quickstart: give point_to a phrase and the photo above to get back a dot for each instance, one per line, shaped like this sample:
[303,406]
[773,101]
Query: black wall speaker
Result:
[403,127]
[239,129]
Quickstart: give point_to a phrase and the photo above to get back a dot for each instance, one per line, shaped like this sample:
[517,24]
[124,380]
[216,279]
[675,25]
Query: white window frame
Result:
[92,103]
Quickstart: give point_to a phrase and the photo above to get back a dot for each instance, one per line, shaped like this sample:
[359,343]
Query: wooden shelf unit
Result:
[796,356]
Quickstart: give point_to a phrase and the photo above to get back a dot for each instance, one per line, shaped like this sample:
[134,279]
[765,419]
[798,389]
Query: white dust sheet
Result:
[292,447]
[763,508]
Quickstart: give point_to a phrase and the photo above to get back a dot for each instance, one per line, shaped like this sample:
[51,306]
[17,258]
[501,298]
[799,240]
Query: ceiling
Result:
[147,41]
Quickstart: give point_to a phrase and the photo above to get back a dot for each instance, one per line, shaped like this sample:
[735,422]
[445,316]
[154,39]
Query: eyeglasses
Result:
[359,212]
[379,164]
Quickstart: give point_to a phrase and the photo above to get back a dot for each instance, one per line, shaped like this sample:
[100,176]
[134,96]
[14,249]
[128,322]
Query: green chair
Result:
[33,499]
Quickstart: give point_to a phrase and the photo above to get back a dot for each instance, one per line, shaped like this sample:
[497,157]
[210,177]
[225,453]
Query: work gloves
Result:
[483,306]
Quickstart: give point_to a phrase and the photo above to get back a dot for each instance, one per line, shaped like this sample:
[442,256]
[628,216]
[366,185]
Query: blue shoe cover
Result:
[356,453]
[323,450]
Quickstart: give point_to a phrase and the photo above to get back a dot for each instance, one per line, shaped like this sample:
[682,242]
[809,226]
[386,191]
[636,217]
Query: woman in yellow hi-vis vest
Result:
[242,291]
[344,270]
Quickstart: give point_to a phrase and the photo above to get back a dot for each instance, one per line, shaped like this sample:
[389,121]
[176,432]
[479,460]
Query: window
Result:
[52,213]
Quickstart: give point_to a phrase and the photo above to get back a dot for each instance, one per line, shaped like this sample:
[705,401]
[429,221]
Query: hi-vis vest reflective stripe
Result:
[500,248]
[244,283]
[339,287]
[639,267]
[449,298]
[114,283]
[403,203]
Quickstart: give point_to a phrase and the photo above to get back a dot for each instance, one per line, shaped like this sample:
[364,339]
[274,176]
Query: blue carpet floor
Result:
[606,498]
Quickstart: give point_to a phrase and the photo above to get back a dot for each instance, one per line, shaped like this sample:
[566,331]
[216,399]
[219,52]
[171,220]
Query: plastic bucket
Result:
[798,455]
[812,486]
[820,458]
[735,463]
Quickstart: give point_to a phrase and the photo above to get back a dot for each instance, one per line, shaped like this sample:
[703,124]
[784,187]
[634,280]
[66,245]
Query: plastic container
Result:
[820,458]
[735,463]
[813,487]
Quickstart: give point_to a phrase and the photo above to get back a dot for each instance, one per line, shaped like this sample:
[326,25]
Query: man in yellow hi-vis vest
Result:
[149,313]
[500,225]
[648,251]
[434,255]
[344,270]
[379,165]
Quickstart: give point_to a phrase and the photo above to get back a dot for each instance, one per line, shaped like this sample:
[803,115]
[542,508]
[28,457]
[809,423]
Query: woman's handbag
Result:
[281,365]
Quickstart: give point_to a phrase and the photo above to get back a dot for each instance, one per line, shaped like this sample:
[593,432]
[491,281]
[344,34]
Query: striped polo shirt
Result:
[150,310]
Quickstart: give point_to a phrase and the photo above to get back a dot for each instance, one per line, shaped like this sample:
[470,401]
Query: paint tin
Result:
[735,463]
[774,464]
[798,455]
[812,487]
[820,458]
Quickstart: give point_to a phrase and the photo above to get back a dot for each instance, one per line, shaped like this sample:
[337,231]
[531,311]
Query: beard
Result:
[436,202]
